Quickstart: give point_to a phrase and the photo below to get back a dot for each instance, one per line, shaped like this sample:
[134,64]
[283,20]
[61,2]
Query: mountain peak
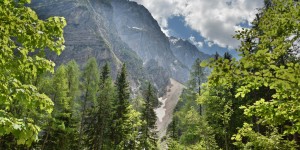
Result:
[185,51]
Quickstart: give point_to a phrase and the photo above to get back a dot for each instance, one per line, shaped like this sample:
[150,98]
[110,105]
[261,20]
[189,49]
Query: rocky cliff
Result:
[117,31]
[186,52]
[141,32]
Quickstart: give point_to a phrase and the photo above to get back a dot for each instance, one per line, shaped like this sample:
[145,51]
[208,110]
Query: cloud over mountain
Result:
[215,20]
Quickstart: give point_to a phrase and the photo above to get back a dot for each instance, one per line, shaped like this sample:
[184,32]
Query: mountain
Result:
[141,32]
[185,51]
[118,31]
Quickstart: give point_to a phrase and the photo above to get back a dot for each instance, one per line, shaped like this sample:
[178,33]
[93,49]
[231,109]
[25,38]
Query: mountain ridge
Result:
[116,31]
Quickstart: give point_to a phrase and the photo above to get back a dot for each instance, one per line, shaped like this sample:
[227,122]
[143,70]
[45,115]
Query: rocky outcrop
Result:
[141,32]
[90,32]
[186,52]
[118,31]
[85,33]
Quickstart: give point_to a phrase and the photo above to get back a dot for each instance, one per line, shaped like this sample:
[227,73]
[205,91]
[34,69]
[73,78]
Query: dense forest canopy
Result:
[252,102]
[246,103]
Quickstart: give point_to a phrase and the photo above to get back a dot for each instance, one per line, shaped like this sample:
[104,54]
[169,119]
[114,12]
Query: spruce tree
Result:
[121,109]
[149,118]
[99,128]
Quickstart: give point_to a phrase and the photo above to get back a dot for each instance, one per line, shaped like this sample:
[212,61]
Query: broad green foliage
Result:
[269,141]
[275,67]
[266,78]
[221,111]
[21,34]
[197,135]
[252,103]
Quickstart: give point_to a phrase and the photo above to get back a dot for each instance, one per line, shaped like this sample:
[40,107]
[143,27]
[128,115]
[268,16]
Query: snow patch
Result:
[135,28]
[161,111]
[174,41]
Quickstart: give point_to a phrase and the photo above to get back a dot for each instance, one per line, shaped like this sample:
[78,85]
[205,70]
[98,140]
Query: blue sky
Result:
[178,28]
[210,24]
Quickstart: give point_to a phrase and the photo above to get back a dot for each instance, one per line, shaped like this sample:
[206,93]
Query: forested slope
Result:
[103,89]
[252,102]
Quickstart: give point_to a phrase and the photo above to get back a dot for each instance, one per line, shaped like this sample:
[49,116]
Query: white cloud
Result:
[197,43]
[166,31]
[210,44]
[215,20]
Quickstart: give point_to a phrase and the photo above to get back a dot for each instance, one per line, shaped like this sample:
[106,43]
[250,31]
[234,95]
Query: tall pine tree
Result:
[197,77]
[73,76]
[56,132]
[126,120]
[121,104]
[90,83]
[99,128]
[149,118]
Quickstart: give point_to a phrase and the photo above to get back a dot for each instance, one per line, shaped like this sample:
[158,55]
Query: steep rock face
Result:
[141,32]
[84,33]
[89,33]
[117,31]
[186,52]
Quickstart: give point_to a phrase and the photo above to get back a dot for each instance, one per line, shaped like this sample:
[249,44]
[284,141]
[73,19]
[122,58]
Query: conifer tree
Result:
[73,75]
[99,128]
[149,118]
[126,120]
[63,89]
[197,77]
[131,126]
[228,56]
[56,132]
[90,83]
[216,56]
[123,91]
[122,102]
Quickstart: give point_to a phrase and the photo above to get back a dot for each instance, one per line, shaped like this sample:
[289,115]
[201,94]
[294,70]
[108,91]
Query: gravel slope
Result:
[169,101]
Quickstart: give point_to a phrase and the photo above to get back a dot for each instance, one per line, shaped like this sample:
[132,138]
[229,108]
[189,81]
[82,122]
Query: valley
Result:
[114,75]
